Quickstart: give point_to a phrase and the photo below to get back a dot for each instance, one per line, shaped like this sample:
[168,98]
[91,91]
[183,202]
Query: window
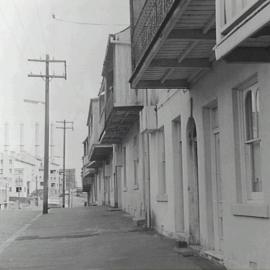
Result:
[252,139]
[41,184]
[10,170]
[1,171]
[135,159]
[10,161]
[10,189]
[161,162]
[249,141]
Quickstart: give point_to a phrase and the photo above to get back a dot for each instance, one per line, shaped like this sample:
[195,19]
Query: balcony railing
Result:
[152,15]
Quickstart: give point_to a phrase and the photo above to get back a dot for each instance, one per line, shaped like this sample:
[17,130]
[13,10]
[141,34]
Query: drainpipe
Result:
[148,178]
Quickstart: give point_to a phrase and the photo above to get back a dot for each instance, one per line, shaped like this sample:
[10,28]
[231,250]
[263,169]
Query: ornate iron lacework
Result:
[149,21]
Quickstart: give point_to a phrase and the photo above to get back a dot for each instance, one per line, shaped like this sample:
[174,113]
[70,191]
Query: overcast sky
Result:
[27,30]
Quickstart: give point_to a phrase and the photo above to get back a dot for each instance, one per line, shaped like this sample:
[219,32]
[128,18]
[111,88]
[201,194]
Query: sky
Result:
[28,30]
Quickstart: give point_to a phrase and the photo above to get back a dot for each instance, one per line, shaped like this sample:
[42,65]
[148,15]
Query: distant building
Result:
[17,173]
[70,178]
[21,176]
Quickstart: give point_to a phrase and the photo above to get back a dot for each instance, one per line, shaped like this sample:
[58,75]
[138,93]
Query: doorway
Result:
[178,175]
[216,179]
[193,185]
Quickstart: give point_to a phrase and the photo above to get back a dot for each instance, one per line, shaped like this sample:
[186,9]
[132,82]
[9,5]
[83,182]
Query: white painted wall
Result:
[246,239]
[170,106]
[123,94]
[132,195]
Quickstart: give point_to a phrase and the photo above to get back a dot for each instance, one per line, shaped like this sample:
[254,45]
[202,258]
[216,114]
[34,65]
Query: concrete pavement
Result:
[93,238]
[13,220]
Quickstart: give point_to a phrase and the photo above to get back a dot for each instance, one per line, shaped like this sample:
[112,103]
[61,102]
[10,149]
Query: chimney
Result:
[21,137]
[6,145]
[37,139]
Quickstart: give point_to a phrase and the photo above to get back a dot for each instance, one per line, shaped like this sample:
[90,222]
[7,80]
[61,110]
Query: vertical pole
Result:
[36,191]
[36,139]
[64,164]
[148,172]
[19,206]
[7,199]
[69,182]
[46,141]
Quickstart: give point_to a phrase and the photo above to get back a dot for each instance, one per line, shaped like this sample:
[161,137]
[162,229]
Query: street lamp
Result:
[45,190]
[38,102]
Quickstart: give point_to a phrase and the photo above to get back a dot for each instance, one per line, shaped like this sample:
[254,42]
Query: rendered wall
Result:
[132,195]
[240,251]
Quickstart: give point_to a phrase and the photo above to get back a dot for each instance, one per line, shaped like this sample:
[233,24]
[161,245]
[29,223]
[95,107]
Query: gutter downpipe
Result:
[148,178]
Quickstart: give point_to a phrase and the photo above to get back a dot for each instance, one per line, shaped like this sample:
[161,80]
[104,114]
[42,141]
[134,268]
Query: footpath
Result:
[11,221]
[93,238]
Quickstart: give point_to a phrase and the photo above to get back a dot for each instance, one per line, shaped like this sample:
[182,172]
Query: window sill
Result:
[162,198]
[135,187]
[251,210]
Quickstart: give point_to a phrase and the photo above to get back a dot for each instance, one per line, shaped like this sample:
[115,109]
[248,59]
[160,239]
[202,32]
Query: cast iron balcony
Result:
[153,14]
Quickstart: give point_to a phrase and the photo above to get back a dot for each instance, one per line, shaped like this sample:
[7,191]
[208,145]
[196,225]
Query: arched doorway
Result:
[193,184]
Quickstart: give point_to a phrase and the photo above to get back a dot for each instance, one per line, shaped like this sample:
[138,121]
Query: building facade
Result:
[21,178]
[189,156]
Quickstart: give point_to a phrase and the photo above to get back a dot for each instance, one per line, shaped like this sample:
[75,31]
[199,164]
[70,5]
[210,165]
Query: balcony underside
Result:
[100,152]
[254,49]
[181,51]
[247,40]
[119,122]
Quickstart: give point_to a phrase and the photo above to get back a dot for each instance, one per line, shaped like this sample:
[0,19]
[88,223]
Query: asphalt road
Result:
[93,239]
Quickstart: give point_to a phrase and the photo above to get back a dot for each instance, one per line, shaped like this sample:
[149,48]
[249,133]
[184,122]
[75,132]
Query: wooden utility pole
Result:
[47,78]
[65,127]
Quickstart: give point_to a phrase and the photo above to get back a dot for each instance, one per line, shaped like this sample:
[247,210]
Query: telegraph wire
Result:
[86,23]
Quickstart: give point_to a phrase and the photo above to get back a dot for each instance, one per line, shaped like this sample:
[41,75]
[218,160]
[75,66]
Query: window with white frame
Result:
[252,139]
[248,103]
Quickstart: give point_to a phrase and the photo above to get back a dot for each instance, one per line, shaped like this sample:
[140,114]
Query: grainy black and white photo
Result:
[134,134]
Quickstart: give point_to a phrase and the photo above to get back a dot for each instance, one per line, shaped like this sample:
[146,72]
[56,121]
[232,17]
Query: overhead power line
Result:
[86,23]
